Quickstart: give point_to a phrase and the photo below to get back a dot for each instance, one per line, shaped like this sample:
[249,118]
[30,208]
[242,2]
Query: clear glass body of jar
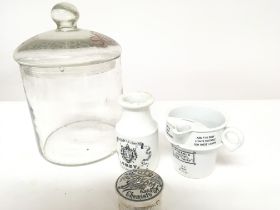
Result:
[72,93]
[74,112]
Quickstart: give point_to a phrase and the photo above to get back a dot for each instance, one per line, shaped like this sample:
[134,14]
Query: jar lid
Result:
[67,45]
[139,187]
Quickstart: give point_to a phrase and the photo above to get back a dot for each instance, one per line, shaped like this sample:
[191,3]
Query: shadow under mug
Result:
[200,128]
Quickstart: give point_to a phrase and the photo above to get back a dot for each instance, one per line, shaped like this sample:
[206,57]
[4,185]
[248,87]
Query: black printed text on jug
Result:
[205,140]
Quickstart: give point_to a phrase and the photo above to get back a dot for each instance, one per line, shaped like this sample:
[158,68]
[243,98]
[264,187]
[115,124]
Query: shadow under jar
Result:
[72,81]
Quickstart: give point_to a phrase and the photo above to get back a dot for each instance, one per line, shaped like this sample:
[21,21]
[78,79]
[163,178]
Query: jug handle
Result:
[232,143]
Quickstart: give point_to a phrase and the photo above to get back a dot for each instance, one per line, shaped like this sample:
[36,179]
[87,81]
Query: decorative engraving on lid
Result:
[139,185]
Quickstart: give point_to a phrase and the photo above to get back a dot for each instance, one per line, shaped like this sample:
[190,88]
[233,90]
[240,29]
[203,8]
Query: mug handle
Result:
[232,143]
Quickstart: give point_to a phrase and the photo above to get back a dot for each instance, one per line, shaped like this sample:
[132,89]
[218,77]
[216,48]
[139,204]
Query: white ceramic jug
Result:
[137,133]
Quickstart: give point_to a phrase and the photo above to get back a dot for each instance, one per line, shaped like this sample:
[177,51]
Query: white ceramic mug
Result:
[201,128]
[196,134]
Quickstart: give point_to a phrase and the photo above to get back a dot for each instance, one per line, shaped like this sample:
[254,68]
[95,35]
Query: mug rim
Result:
[182,112]
[223,126]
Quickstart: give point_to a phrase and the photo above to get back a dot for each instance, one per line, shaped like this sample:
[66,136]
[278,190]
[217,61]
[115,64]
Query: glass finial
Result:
[65,15]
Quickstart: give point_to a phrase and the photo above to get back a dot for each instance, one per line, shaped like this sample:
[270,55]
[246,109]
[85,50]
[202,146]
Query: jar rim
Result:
[136,100]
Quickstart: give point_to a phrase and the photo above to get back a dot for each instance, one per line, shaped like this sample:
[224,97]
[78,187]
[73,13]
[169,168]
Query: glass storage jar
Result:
[72,81]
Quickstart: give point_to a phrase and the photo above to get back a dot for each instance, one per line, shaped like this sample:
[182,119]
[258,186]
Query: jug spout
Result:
[179,129]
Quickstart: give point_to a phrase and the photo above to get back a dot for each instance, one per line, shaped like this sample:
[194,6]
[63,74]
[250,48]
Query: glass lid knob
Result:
[65,16]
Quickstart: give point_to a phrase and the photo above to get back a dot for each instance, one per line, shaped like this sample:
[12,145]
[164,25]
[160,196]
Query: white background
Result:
[179,49]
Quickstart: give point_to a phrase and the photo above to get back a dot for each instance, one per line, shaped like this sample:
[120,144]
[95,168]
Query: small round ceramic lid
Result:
[68,45]
[139,185]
